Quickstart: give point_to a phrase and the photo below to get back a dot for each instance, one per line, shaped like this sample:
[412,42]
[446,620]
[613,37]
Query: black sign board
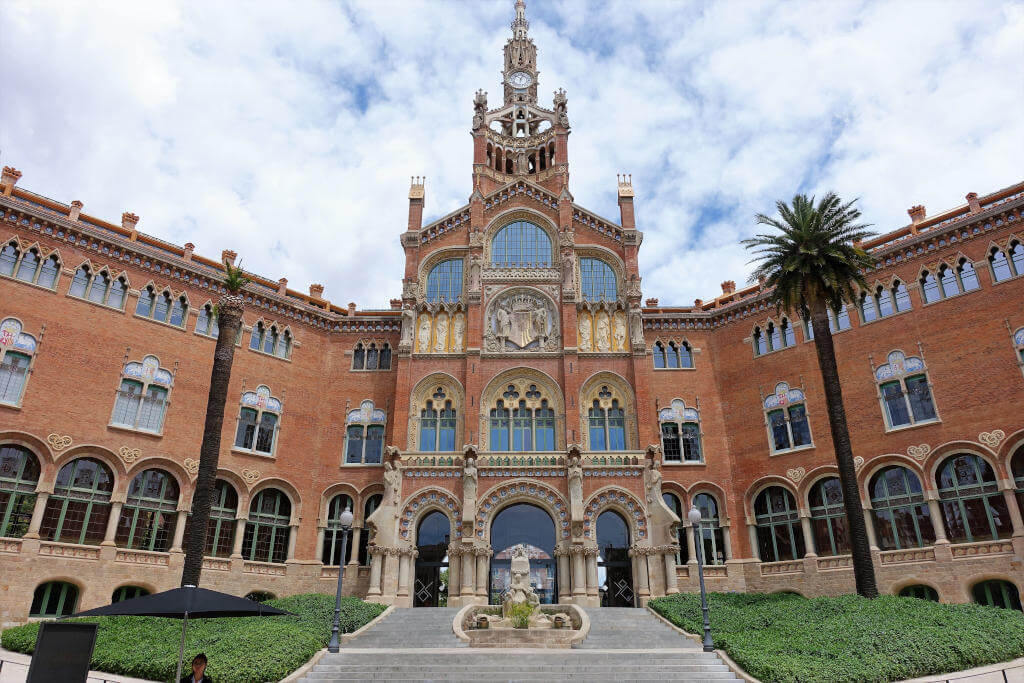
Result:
[63,652]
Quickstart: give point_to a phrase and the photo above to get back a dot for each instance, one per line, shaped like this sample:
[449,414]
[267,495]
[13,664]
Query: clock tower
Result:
[520,74]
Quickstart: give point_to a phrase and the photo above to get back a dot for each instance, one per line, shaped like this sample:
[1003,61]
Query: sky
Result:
[288,131]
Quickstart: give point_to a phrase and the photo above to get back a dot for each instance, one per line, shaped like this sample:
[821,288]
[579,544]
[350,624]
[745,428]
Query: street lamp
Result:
[346,524]
[694,516]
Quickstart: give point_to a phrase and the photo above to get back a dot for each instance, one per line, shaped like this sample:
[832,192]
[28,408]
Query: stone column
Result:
[691,546]
[239,536]
[389,578]
[115,516]
[403,573]
[454,573]
[483,556]
[1015,514]
[564,580]
[590,555]
[579,581]
[320,531]
[935,512]
[353,544]
[671,579]
[292,534]
[643,581]
[754,553]
[376,562]
[37,515]
[727,540]
[805,526]
[179,531]
[869,522]
[468,578]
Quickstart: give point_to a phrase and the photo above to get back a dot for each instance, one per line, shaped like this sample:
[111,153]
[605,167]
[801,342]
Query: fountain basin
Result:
[540,634]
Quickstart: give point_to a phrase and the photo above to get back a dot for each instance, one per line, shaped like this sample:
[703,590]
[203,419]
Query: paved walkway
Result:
[15,670]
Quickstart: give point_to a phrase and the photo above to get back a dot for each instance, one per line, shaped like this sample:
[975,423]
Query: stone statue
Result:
[458,332]
[540,322]
[519,590]
[522,164]
[575,474]
[560,108]
[636,328]
[424,333]
[392,484]
[504,323]
[475,264]
[469,475]
[620,332]
[654,482]
[441,333]
[585,343]
[479,109]
[568,272]
[408,326]
[603,334]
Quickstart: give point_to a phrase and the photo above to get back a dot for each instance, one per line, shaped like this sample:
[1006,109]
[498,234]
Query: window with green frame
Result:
[220,532]
[710,529]
[973,507]
[78,509]
[996,593]
[676,505]
[269,527]
[19,474]
[333,532]
[828,518]
[779,536]
[1017,468]
[123,593]
[54,599]
[900,513]
[150,512]
[371,504]
[920,591]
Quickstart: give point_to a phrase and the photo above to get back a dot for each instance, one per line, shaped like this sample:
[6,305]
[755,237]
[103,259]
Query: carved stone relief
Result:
[521,320]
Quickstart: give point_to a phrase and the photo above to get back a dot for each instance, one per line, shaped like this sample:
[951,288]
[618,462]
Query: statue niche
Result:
[521,320]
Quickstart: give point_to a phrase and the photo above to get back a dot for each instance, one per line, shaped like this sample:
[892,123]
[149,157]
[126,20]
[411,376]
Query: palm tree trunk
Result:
[863,565]
[229,318]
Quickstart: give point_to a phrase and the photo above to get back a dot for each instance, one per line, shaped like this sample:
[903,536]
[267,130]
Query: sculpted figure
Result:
[540,321]
[441,333]
[620,332]
[575,475]
[424,333]
[458,332]
[585,343]
[475,264]
[636,329]
[560,108]
[479,109]
[568,271]
[519,589]
[469,483]
[392,484]
[603,334]
[504,323]
[654,483]
[408,326]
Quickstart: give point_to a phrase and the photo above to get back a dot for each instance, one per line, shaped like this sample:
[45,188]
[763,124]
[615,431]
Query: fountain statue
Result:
[519,591]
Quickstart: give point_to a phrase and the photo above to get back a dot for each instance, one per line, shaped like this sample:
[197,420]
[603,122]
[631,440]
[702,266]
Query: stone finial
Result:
[189,248]
[351,308]
[129,220]
[396,304]
[917,214]
[728,287]
[698,303]
[229,256]
[651,302]
[625,182]
[416,187]
[316,291]
[8,179]
[282,286]
[75,211]
[972,201]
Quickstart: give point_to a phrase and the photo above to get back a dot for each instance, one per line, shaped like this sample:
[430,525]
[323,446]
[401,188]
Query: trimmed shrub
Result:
[240,650]
[785,637]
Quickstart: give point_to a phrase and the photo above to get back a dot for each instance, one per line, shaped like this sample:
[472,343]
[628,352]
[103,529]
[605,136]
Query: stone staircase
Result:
[418,645]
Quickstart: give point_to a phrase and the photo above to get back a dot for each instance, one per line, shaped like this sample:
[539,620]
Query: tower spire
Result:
[520,25]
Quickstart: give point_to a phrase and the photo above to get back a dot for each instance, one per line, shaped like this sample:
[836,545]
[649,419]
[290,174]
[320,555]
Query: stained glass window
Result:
[521,245]
[597,280]
[444,283]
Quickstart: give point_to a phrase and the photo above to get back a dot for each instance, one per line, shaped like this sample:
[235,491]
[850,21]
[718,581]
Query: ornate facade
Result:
[519,391]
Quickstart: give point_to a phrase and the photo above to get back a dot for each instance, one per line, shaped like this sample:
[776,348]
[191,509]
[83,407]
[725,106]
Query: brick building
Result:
[519,391]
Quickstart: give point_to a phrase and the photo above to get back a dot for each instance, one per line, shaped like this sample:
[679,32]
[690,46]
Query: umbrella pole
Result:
[181,648]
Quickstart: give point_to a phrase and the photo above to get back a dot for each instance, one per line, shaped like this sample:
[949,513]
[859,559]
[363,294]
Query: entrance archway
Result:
[432,537]
[614,568]
[534,528]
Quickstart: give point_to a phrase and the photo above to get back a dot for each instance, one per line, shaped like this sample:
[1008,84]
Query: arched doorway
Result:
[431,586]
[534,528]
[614,568]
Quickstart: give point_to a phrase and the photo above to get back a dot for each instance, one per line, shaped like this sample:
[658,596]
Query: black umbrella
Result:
[187,602]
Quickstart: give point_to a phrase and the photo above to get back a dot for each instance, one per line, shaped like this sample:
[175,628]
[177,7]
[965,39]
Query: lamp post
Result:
[346,524]
[694,516]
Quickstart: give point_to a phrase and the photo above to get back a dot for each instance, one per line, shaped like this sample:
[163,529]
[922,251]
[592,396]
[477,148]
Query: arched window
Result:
[259,596]
[996,593]
[123,593]
[930,288]
[54,599]
[437,425]
[142,397]
[19,474]
[364,435]
[828,518]
[973,507]
[371,356]
[948,281]
[220,531]
[868,307]
[787,336]
[1017,257]
[901,296]
[206,322]
[258,421]
[444,282]
[1000,265]
[607,425]
[786,417]
[78,509]
[899,510]
[149,513]
[774,335]
[597,280]
[332,534]
[256,337]
[1018,343]
[521,245]
[760,342]
[385,357]
[9,259]
[968,278]
[680,433]
[99,288]
[500,423]
[29,266]
[83,278]
[905,391]
[49,272]
[271,341]
[885,301]
[16,351]
[714,549]
[676,506]
[672,355]
[1017,469]
[162,307]
[359,357]
[269,527]
[779,536]
[920,591]
[371,504]
[660,361]
[522,420]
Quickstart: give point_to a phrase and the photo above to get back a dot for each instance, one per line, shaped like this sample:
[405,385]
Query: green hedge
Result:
[785,637]
[239,650]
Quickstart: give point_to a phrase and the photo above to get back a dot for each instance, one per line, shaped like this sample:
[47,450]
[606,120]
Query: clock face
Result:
[520,79]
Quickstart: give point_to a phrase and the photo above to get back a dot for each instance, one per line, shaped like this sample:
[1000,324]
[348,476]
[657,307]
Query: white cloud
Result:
[288,132]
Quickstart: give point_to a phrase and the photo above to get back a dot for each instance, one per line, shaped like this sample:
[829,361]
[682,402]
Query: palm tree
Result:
[812,264]
[229,321]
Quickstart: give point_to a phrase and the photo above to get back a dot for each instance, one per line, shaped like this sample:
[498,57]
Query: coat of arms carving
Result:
[521,320]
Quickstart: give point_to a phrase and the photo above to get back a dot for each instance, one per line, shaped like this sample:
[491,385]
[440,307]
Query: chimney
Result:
[396,304]
[972,201]
[316,291]
[728,287]
[416,196]
[129,220]
[189,248]
[75,210]
[698,303]
[8,179]
[627,219]
[351,308]
[229,256]
[917,214]
[651,303]
[282,286]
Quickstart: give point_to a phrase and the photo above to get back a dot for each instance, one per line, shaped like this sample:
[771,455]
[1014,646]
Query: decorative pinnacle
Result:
[416,190]
[520,25]
[625,181]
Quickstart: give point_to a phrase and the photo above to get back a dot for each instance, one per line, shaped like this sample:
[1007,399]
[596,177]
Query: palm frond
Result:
[234,277]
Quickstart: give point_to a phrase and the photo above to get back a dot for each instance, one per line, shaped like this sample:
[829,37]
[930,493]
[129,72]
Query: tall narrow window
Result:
[162,307]
[930,288]
[676,506]
[779,536]
[659,356]
[446,434]
[948,280]
[49,272]
[774,337]
[868,307]
[712,535]
[80,283]
[883,297]
[522,428]
[331,555]
[220,531]
[19,475]
[428,428]
[16,351]
[788,336]
[1000,265]
[680,433]
[116,293]
[369,507]
[685,355]
[141,401]
[385,357]
[544,421]
[444,282]
[1017,257]
[258,421]
[372,357]
[828,518]
[9,259]
[206,322]
[78,509]
[597,280]
[256,338]
[359,357]
[500,427]
[968,278]
[786,416]
[29,266]
[973,507]
[364,435]
[899,511]
[100,286]
[902,297]
[269,527]
[905,391]
[150,513]
[760,342]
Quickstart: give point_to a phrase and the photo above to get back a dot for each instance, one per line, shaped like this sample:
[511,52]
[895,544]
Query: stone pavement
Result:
[14,669]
